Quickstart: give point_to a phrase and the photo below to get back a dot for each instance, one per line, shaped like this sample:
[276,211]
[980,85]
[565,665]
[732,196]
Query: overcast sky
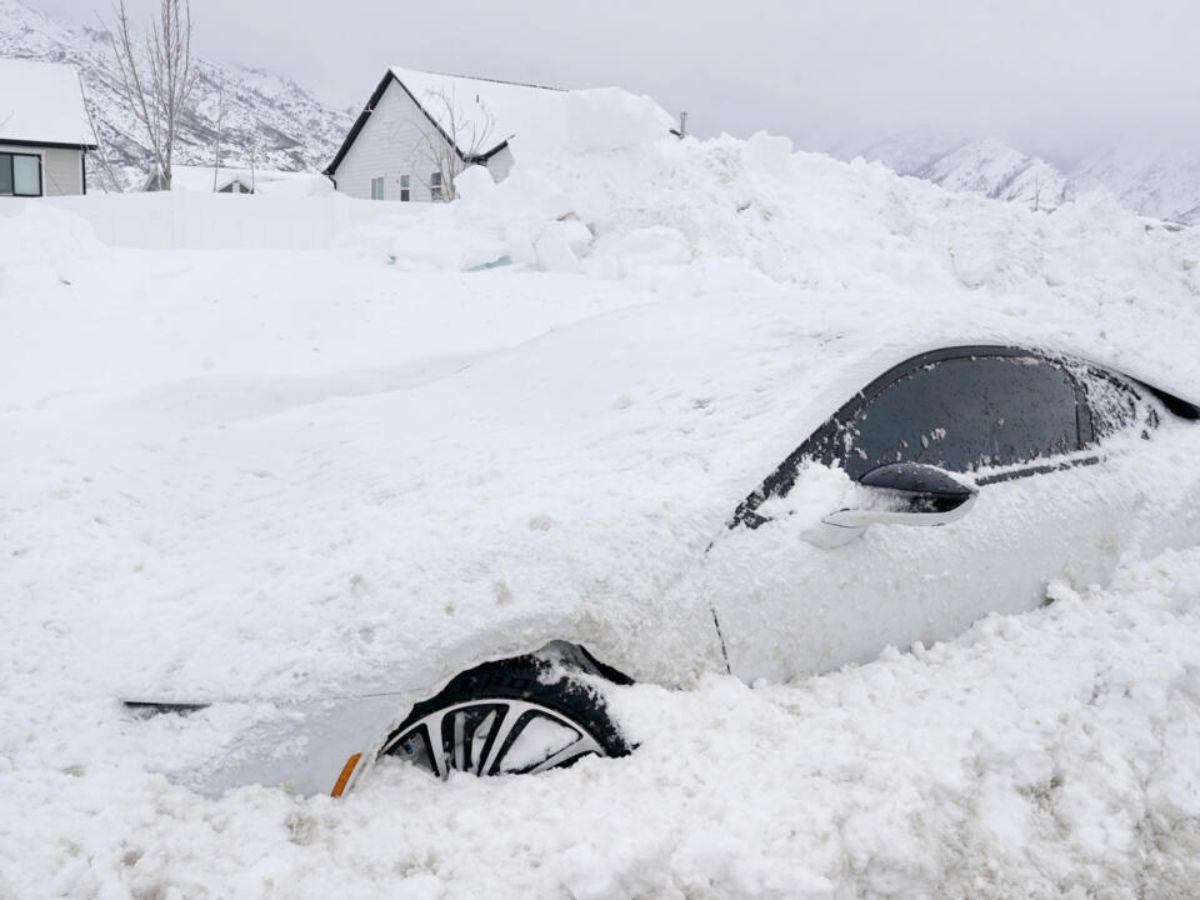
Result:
[1054,76]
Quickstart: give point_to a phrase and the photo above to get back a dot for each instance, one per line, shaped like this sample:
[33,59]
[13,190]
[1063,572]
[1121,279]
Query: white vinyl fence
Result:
[192,221]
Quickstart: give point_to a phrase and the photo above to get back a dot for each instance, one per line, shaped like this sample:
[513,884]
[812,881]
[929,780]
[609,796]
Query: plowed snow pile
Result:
[260,476]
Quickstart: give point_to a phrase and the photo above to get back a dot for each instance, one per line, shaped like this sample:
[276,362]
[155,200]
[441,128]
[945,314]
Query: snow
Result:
[268,182]
[266,477]
[42,102]
[1000,172]
[1155,182]
[1151,180]
[540,740]
[1048,754]
[482,114]
[270,117]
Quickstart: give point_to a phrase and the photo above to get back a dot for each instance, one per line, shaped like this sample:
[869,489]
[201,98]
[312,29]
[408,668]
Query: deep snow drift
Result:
[253,474]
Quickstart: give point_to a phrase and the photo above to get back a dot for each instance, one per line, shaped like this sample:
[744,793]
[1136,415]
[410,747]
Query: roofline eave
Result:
[54,145]
[361,122]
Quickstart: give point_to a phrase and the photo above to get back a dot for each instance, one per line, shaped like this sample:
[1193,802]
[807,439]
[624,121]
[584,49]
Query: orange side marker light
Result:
[347,769]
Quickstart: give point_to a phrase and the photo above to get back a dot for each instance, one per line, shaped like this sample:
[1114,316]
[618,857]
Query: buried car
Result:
[927,490]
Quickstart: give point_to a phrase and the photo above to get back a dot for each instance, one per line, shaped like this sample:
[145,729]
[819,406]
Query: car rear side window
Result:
[961,414]
[1115,405]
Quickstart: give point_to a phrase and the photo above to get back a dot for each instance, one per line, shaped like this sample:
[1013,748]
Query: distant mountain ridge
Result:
[1163,184]
[268,119]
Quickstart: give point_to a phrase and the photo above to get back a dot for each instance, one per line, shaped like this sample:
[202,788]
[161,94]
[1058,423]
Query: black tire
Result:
[498,701]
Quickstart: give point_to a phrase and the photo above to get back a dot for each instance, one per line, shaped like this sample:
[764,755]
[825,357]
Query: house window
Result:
[20,175]
[435,186]
[376,188]
[405,192]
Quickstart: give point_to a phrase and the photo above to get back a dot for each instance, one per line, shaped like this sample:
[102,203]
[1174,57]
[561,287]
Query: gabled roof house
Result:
[44,131]
[419,128]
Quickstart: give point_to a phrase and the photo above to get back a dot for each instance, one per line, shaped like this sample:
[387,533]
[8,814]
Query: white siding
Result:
[391,144]
[62,172]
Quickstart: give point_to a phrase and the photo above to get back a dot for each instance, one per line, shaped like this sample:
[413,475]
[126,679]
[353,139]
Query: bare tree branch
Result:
[456,142]
[101,149]
[157,76]
[220,126]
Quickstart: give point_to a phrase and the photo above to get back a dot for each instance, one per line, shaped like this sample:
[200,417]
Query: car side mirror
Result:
[901,494]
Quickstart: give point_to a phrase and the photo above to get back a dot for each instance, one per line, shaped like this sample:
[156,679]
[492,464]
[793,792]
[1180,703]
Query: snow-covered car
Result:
[1033,465]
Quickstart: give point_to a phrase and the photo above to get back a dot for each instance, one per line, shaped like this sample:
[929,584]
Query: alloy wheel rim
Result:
[493,736]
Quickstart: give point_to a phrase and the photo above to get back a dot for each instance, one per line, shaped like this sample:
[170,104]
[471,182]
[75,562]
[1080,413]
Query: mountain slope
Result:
[267,118]
[1002,173]
[1164,184]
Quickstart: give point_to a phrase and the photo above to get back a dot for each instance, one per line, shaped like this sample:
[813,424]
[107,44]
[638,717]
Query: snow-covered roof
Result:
[42,103]
[479,114]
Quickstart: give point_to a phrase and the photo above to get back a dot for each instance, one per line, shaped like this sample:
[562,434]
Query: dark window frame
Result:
[12,175]
[781,481]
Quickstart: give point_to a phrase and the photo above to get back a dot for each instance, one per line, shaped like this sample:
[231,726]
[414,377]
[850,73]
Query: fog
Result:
[1054,77]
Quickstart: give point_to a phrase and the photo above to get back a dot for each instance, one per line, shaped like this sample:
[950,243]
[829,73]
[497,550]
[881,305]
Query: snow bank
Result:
[277,474]
[664,211]
[1048,754]
[604,119]
[40,245]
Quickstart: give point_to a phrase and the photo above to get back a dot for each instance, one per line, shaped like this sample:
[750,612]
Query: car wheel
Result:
[515,716]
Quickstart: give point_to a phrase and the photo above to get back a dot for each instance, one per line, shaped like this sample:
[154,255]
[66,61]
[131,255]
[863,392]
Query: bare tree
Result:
[253,163]
[157,76]
[458,140]
[220,126]
[101,150]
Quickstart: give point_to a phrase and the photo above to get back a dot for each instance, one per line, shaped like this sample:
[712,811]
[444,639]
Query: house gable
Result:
[389,83]
[388,144]
[490,111]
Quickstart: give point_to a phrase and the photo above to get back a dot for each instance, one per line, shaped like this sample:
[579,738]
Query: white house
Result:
[44,132]
[419,128]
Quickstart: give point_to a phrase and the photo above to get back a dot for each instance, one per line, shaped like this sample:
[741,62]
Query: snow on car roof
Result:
[42,103]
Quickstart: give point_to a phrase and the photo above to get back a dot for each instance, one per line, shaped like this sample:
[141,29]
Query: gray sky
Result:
[1053,76]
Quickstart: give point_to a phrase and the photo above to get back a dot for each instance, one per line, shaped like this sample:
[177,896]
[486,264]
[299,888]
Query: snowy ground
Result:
[223,469]
[1050,754]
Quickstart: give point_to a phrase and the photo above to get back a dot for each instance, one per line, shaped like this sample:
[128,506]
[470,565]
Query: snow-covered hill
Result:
[1002,173]
[267,117]
[1162,183]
